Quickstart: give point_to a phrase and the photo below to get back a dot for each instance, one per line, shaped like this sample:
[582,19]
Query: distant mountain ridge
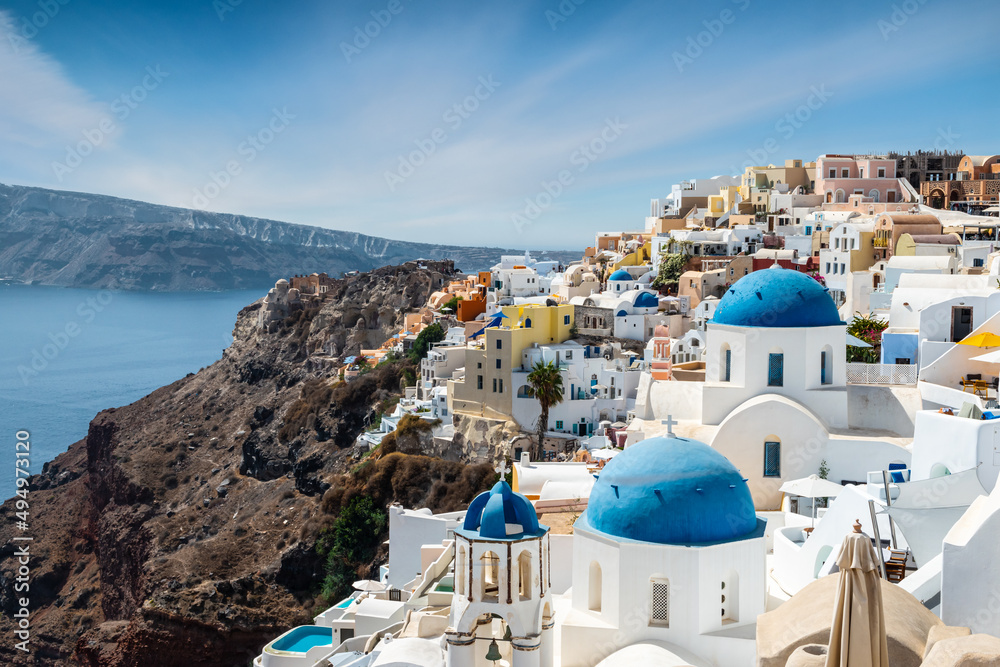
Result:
[74,239]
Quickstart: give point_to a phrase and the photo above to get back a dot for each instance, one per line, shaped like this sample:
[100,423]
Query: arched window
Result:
[594,590]
[874,195]
[840,196]
[525,391]
[730,596]
[659,601]
[460,567]
[524,575]
[772,457]
[826,365]
[727,362]
[490,582]
[527,323]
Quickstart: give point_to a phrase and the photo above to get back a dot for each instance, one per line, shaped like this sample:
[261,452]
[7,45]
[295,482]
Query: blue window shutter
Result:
[772,459]
[729,364]
[775,370]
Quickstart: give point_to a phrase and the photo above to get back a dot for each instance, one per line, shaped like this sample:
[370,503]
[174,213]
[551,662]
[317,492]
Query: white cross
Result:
[502,469]
[670,423]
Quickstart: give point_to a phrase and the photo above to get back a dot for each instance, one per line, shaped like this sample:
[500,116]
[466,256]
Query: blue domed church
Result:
[669,551]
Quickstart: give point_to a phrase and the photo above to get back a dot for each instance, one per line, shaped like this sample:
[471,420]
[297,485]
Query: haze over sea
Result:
[126,344]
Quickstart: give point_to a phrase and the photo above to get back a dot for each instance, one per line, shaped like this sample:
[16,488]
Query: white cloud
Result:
[39,106]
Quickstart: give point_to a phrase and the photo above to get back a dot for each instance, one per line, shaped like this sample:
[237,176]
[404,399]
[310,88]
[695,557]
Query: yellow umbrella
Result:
[985,339]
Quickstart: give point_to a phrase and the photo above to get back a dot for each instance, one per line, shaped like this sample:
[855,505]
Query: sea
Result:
[66,354]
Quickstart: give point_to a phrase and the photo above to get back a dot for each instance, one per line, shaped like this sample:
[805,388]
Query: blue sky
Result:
[280,110]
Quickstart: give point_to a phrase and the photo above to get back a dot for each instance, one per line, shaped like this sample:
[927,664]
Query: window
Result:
[524,575]
[772,459]
[527,323]
[775,369]
[978,261]
[659,611]
[825,369]
[569,354]
[499,364]
[833,173]
[594,590]
[565,319]
[479,384]
[728,365]
[494,385]
[845,172]
[881,172]
[501,385]
[479,364]
[559,425]
[499,344]
[861,172]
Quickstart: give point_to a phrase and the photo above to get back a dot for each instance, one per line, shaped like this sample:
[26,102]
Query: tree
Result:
[350,544]
[431,334]
[452,304]
[671,268]
[869,329]
[546,384]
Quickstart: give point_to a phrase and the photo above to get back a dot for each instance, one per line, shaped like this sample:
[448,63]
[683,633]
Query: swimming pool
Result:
[303,638]
[345,603]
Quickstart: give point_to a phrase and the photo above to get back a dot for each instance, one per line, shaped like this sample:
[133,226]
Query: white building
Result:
[502,571]
[669,551]
[835,260]
[595,389]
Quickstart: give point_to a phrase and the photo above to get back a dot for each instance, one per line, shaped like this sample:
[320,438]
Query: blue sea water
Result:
[67,354]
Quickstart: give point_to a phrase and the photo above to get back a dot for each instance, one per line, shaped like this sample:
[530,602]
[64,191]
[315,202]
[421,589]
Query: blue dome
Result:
[777,298]
[491,511]
[647,300]
[671,491]
[620,274]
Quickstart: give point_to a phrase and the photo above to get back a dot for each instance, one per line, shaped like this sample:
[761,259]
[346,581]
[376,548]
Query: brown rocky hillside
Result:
[181,530]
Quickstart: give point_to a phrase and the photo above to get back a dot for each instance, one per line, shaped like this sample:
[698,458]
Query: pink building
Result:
[840,176]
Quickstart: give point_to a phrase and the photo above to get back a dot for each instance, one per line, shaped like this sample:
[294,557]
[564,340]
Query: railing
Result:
[858,373]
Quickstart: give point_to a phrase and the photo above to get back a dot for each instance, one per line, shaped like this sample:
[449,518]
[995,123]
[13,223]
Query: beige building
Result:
[486,388]
[700,284]
[889,227]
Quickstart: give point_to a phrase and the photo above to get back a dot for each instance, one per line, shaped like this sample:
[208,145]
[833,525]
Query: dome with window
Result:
[671,490]
[777,297]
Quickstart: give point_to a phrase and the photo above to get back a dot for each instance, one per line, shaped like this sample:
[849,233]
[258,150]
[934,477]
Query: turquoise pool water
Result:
[303,638]
[345,603]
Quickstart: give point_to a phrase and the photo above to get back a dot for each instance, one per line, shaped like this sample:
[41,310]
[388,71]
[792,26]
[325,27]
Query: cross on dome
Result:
[502,469]
[670,422]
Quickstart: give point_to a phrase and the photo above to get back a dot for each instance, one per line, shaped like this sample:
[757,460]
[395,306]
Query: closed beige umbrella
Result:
[857,635]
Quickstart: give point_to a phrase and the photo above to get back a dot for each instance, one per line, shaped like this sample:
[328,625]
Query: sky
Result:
[513,124]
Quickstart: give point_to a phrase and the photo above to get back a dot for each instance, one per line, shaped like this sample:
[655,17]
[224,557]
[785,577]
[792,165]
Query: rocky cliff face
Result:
[180,531]
[74,239]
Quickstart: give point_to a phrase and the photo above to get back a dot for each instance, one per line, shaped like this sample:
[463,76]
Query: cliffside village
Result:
[776,372]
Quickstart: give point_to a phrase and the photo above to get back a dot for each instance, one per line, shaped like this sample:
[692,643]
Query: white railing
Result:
[858,373]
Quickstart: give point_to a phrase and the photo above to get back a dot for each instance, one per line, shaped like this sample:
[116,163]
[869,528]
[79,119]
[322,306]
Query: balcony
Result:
[882,374]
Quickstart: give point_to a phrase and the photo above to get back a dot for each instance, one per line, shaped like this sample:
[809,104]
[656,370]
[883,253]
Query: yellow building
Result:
[486,389]
[638,257]
[722,202]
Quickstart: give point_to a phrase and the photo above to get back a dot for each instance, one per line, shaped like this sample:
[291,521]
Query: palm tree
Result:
[546,384]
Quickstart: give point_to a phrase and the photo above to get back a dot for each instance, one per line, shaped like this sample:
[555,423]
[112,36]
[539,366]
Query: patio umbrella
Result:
[857,634]
[990,357]
[605,453]
[854,341]
[369,586]
[812,487]
[985,339]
